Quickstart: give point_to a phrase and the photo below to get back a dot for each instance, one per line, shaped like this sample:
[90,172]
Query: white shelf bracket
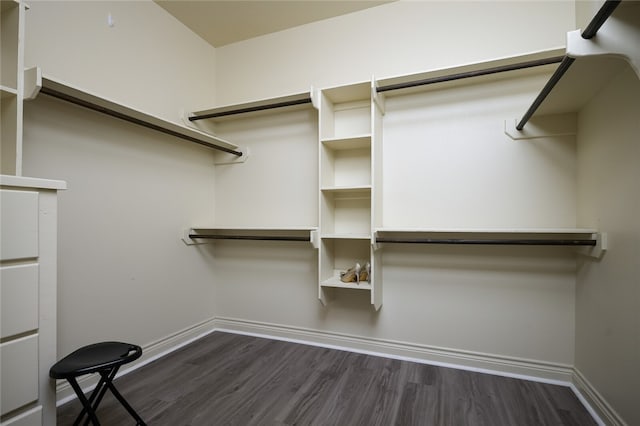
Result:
[315,97]
[314,237]
[224,158]
[617,38]
[188,240]
[543,127]
[378,98]
[374,242]
[597,251]
[32,83]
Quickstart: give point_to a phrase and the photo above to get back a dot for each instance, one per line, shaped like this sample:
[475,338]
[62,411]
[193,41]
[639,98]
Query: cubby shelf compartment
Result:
[338,255]
[345,212]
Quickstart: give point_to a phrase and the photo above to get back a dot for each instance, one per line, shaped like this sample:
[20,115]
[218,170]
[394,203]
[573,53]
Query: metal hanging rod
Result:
[525,242]
[274,105]
[469,74]
[603,14]
[555,78]
[249,237]
[116,114]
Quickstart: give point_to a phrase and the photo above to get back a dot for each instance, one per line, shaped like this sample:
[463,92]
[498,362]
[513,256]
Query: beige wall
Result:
[446,164]
[124,272]
[514,303]
[608,291]
[147,60]
[394,39]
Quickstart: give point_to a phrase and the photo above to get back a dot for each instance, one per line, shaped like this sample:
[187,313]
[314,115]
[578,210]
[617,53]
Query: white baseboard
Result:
[150,352]
[594,402]
[520,368]
[473,361]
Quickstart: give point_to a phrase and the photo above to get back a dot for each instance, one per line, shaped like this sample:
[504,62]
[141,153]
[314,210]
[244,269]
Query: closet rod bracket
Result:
[186,238]
[598,250]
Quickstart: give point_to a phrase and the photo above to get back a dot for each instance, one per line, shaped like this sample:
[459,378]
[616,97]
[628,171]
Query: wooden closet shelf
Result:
[289,102]
[64,91]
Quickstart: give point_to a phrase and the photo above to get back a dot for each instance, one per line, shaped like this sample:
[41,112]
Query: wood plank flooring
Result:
[229,379]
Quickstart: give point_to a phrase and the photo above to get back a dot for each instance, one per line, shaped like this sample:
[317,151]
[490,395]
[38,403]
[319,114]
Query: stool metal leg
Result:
[98,393]
[126,405]
[90,406]
[87,408]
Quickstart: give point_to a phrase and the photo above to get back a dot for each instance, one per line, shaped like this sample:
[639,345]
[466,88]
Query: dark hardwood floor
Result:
[229,379]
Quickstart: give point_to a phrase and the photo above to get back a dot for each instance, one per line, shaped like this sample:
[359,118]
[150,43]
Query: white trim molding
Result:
[598,407]
[473,361]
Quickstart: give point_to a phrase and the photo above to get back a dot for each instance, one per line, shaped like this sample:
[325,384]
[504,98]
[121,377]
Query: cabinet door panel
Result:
[32,417]
[19,222]
[19,372]
[18,299]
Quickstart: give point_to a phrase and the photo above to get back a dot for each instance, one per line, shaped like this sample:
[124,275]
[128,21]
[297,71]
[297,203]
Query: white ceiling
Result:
[222,22]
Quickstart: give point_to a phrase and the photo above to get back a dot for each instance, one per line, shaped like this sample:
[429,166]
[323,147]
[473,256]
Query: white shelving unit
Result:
[11,84]
[350,141]
[350,147]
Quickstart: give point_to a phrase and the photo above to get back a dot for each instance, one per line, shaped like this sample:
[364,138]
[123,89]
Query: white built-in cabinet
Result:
[28,251]
[350,126]
[28,274]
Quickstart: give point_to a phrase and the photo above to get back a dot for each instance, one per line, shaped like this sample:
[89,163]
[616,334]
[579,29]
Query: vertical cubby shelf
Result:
[348,130]
[11,36]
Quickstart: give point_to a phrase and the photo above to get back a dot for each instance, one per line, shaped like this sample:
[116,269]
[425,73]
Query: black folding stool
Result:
[104,358]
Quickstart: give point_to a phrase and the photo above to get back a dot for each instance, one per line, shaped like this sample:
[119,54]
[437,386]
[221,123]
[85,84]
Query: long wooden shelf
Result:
[200,235]
[51,86]
[288,103]
[569,237]
[473,73]
[512,231]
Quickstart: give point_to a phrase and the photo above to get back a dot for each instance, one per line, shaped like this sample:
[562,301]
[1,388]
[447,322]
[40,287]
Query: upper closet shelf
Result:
[532,63]
[290,102]
[592,58]
[36,83]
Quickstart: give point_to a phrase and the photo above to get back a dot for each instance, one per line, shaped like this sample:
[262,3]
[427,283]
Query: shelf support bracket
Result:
[543,127]
[620,39]
[190,241]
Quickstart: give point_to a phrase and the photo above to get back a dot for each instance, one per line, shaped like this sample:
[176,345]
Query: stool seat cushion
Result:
[94,358]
